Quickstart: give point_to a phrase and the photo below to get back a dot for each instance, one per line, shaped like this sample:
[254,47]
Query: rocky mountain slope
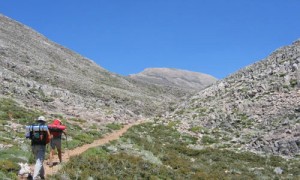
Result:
[41,74]
[185,80]
[256,108]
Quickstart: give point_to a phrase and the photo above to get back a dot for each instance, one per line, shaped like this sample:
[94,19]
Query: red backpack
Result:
[56,128]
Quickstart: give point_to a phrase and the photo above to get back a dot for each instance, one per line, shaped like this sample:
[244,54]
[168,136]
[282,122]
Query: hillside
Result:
[43,75]
[185,80]
[256,108]
[230,130]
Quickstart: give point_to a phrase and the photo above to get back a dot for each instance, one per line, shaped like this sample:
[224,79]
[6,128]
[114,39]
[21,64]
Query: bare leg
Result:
[59,155]
[51,157]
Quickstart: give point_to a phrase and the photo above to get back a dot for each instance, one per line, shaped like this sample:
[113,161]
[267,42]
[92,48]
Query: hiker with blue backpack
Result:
[40,137]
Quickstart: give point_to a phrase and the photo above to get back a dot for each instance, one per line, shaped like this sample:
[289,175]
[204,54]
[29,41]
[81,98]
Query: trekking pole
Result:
[67,145]
[66,140]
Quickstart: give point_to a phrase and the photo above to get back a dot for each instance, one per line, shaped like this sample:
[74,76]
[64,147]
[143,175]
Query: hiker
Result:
[40,136]
[56,131]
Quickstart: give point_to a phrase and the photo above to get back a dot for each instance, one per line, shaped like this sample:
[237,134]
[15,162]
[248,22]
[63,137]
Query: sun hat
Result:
[41,118]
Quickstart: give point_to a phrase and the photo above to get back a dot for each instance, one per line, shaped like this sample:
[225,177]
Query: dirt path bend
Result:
[69,153]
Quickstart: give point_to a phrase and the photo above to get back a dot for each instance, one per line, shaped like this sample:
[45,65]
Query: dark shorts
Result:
[55,143]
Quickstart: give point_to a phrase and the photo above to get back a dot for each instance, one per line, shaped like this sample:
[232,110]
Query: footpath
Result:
[67,154]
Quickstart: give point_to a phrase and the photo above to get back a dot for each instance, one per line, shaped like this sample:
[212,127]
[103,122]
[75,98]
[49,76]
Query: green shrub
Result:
[96,152]
[74,143]
[188,139]
[114,126]
[58,116]
[180,112]
[9,166]
[8,175]
[94,134]
[172,124]
[77,120]
[73,129]
[208,140]
[84,138]
[199,129]
[293,82]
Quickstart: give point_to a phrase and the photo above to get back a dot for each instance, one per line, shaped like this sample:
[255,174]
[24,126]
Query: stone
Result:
[278,170]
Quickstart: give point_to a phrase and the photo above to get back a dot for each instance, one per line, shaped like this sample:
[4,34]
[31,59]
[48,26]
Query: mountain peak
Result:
[175,77]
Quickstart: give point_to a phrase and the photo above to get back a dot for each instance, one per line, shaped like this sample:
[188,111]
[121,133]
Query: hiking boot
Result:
[39,178]
[50,164]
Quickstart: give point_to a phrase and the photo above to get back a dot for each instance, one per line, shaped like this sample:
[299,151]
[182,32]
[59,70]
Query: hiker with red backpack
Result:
[56,131]
[40,136]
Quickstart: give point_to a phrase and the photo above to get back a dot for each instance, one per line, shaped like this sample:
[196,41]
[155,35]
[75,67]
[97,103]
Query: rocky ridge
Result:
[256,108]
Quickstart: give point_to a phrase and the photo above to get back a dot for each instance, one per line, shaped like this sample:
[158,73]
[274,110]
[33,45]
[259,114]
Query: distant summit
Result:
[175,77]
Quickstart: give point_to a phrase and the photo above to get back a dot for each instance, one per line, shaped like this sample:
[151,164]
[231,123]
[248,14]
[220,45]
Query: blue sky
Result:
[216,37]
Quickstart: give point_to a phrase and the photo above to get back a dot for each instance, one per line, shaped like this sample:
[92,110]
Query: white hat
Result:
[41,118]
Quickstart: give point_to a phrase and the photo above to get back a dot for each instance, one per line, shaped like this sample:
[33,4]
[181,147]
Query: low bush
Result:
[84,138]
[206,140]
[8,166]
[114,126]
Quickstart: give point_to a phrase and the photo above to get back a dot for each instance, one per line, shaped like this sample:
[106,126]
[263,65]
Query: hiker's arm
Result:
[48,132]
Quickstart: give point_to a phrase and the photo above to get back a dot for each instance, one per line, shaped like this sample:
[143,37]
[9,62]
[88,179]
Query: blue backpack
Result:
[38,133]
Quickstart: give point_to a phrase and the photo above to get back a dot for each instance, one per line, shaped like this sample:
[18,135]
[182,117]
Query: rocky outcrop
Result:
[257,107]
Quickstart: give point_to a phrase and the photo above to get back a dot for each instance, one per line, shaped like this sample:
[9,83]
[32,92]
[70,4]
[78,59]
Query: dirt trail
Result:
[69,153]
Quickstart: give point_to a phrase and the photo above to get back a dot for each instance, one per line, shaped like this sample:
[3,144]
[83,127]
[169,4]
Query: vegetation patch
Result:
[206,140]
[293,82]
[10,110]
[114,126]
[124,159]
[77,120]
[172,124]
[198,129]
